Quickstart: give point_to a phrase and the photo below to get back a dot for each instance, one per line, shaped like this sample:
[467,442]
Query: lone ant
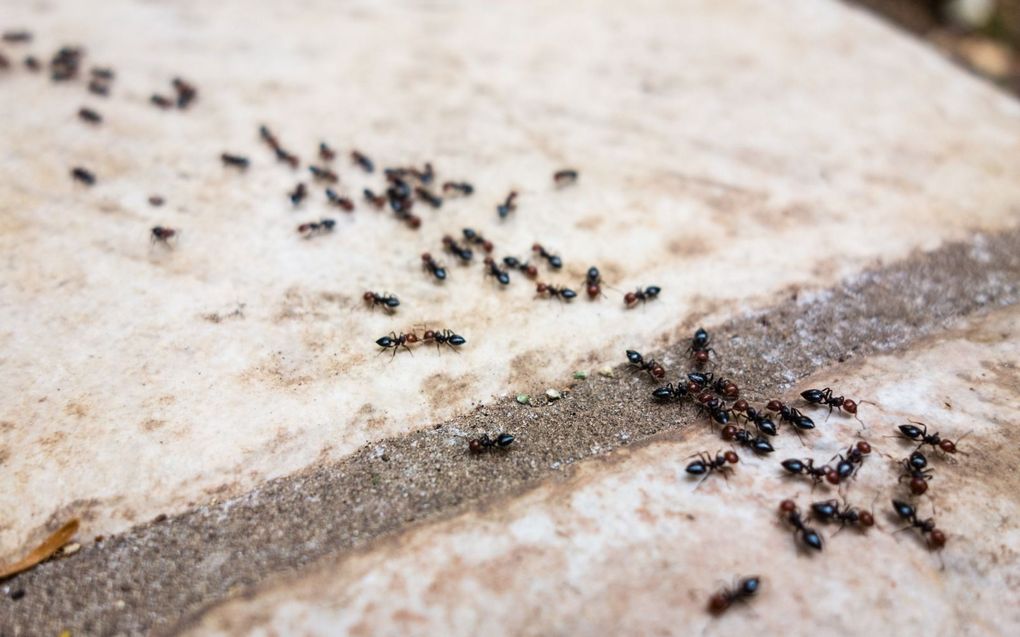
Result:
[747,438]
[825,397]
[86,177]
[563,293]
[430,265]
[699,348]
[630,299]
[706,464]
[830,511]
[444,337]
[473,237]
[363,161]
[341,202]
[485,443]
[593,282]
[325,152]
[553,259]
[509,205]
[459,251]
[669,391]
[513,262]
[807,467]
[920,434]
[654,369]
[314,228]
[791,415]
[491,269]
[460,187]
[745,589]
[849,464]
[160,234]
[807,535]
[387,301]
[916,472]
[298,194]
[395,341]
[90,116]
[237,161]
[565,177]
[936,539]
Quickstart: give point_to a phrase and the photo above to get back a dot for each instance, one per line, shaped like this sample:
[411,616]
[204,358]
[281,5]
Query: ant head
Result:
[368,296]
[719,602]
[866,518]
[536,247]
[425,256]
[729,432]
[701,356]
[831,475]
[863,447]
[774,405]
[787,506]
[850,406]
[531,271]
[731,457]
[918,485]
[936,539]
[740,405]
[948,446]
[542,287]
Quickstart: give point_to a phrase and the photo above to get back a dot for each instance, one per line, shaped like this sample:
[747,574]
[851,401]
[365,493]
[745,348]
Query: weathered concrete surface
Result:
[727,151]
[627,546]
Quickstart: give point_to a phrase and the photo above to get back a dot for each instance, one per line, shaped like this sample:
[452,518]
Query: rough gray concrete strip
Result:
[149,578]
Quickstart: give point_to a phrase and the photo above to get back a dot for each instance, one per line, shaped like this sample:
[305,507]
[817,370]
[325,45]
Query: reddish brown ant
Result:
[462,187]
[699,348]
[669,392]
[593,282]
[474,238]
[759,419]
[459,251]
[237,161]
[807,467]
[387,302]
[186,92]
[323,174]
[630,299]
[830,511]
[84,176]
[825,397]
[554,260]
[161,101]
[90,116]
[920,434]
[504,209]
[747,438]
[434,268]
[363,161]
[726,388]
[850,464]
[485,443]
[916,472]
[65,63]
[555,292]
[395,341]
[654,369]
[377,201]
[935,538]
[513,262]
[314,228]
[745,589]
[807,535]
[491,269]
[340,202]
[444,337]
[791,415]
[706,464]
[325,152]
[298,194]
[287,158]
[160,234]
[565,177]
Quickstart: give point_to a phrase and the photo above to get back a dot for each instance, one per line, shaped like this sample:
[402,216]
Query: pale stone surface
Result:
[728,150]
[627,546]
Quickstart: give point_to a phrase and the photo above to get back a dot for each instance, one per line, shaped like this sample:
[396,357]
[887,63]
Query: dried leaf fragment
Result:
[51,545]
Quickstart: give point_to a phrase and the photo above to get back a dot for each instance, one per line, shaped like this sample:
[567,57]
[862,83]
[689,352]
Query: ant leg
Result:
[842,525]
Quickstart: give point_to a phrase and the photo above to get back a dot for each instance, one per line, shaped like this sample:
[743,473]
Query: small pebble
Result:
[72,548]
[606,372]
[524,399]
[553,394]
[580,375]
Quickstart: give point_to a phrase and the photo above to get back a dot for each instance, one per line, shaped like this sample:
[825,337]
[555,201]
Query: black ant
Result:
[287,158]
[473,237]
[160,234]
[325,152]
[313,228]
[161,101]
[791,415]
[699,348]
[807,467]
[747,438]
[395,341]
[428,197]
[830,511]
[268,137]
[808,536]
[237,161]
[513,262]
[454,248]
[65,63]
[654,369]
[444,337]
[17,37]
[298,194]
[554,260]
[917,472]
[156,200]
[706,464]
[717,411]
[921,435]
[509,205]
[849,464]
[631,299]
[96,87]
[563,293]
[745,589]
[461,187]
[84,176]
[323,174]
[936,539]
[340,202]
[825,397]
[378,201]
[432,267]
[102,73]
[669,391]
[701,379]
[565,177]
[186,92]
[387,301]
[593,282]
[90,116]
[726,388]
[33,64]
[760,420]
[363,161]
[484,442]
[491,269]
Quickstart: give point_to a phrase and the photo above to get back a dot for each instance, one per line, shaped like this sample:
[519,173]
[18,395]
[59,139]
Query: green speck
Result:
[581,375]
[524,399]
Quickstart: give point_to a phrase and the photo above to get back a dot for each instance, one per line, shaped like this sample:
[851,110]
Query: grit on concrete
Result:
[149,578]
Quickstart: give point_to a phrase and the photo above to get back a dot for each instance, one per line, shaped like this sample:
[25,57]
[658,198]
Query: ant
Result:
[565,177]
[161,101]
[287,158]
[529,270]
[705,464]
[338,201]
[791,415]
[747,438]
[84,176]
[630,299]
[699,348]
[484,442]
[434,268]
[494,270]
[425,195]
[745,589]
[917,472]
[162,235]
[378,201]
[701,380]
[808,536]
[593,282]
[760,420]
[363,161]
[473,237]
[807,467]
[313,228]
[326,153]
[554,260]
[268,137]
[654,369]
[387,301]
[395,341]
[298,194]
[460,187]
[186,92]
[849,465]
[237,161]
[444,337]
[323,174]
[921,434]
[90,116]
[509,205]
[96,87]
[830,511]
[17,37]
[564,293]
[825,397]
[454,248]
[726,388]
[670,392]
[936,538]
[715,408]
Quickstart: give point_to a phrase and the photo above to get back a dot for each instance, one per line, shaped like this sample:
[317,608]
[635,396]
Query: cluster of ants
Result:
[718,398]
